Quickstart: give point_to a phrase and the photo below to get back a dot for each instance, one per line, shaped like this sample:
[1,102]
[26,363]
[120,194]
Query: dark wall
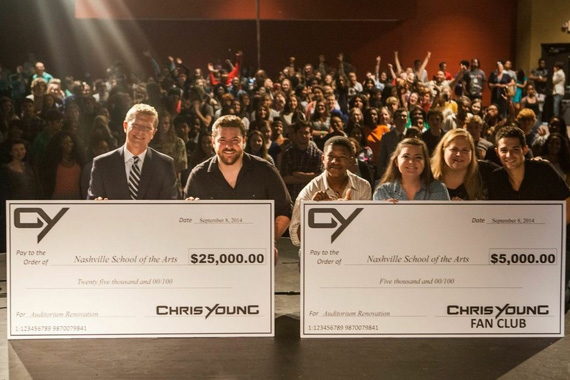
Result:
[450,30]
[246,9]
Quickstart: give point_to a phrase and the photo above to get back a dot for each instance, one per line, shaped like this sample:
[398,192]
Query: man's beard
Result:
[230,161]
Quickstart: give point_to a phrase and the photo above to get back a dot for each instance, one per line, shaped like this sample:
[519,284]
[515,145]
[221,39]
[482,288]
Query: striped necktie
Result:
[134,178]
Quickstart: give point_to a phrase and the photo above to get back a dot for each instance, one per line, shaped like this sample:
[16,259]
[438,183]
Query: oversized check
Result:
[145,269]
[429,269]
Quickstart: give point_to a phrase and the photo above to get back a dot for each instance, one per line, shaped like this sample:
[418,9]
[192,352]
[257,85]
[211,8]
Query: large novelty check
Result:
[145,269]
[421,269]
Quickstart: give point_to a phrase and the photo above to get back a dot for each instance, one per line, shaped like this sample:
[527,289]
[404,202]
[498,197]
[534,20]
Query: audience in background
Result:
[377,113]
[384,127]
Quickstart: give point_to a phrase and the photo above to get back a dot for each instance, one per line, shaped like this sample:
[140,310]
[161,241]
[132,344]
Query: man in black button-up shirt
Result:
[233,174]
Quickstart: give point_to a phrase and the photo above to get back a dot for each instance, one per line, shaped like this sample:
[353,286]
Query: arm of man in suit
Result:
[96,187]
[169,188]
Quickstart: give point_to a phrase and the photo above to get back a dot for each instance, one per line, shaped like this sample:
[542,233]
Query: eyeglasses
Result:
[460,151]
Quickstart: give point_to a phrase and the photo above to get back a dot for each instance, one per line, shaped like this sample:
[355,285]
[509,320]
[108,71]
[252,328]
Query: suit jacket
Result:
[109,180]
[388,145]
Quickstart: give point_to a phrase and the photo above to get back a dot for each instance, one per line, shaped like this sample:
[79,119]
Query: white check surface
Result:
[428,269]
[144,269]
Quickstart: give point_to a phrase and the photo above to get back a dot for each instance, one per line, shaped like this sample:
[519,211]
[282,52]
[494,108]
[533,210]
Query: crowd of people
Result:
[314,132]
[51,129]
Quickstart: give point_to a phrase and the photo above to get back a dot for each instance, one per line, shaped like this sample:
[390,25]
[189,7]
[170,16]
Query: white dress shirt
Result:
[129,160]
[361,191]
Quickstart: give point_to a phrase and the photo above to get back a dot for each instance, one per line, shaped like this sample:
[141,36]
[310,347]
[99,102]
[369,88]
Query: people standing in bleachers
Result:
[60,171]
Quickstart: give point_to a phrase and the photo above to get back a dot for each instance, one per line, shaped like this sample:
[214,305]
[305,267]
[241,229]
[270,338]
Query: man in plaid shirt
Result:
[302,161]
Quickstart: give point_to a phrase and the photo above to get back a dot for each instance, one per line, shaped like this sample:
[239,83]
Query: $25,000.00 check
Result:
[140,269]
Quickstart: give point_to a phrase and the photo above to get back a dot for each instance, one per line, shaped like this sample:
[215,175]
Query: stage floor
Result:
[285,356]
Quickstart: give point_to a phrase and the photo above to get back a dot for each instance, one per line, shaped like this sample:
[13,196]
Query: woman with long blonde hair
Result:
[167,142]
[454,162]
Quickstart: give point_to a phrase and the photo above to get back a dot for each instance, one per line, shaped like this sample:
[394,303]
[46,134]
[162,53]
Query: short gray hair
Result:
[144,109]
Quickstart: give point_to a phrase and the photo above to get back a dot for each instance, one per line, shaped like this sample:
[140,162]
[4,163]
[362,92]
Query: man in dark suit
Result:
[391,139]
[134,171]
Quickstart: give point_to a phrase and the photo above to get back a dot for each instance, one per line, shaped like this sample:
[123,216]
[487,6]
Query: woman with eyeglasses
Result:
[454,163]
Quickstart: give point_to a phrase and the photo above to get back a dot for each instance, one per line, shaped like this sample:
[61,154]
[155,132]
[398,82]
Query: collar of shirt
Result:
[214,168]
[331,193]
[128,157]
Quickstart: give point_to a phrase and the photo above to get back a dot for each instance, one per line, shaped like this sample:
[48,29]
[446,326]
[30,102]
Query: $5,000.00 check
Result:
[428,269]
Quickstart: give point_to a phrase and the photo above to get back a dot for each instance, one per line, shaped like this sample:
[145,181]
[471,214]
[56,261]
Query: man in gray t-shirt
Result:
[474,82]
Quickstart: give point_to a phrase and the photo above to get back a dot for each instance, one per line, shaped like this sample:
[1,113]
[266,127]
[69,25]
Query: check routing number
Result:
[421,269]
[145,269]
